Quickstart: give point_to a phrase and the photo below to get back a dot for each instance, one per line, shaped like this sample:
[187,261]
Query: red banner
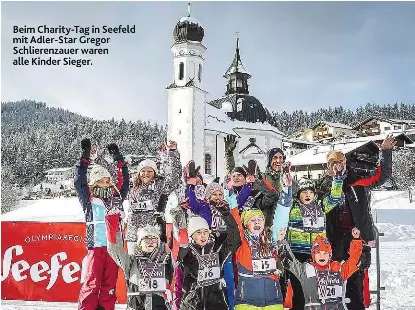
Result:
[43,261]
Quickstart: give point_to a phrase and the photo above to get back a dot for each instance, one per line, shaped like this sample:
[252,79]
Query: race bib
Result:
[313,225]
[264,266]
[209,270]
[145,205]
[218,224]
[152,278]
[153,285]
[330,293]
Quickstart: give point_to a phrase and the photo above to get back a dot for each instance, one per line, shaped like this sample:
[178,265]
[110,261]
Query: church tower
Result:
[186,97]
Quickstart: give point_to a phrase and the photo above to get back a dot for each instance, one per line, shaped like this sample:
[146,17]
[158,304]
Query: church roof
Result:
[245,108]
[188,29]
[217,120]
[236,65]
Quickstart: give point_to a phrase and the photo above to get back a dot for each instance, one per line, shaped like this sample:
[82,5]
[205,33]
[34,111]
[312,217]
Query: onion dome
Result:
[188,29]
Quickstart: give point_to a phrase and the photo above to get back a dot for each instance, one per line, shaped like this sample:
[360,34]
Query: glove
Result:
[179,217]
[365,258]
[230,144]
[231,200]
[114,152]
[86,148]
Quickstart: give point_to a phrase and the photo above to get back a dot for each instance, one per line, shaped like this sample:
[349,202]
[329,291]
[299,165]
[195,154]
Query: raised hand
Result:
[171,145]
[93,154]
[339,169]
[356,233]
[281,234]
[222,204]
[230,143]
[388,143]
[250,178]
[113,149]
[86,148]
[287,179]
[114,152]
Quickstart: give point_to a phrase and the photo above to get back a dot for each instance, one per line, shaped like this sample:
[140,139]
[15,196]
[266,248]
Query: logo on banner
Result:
[39,271]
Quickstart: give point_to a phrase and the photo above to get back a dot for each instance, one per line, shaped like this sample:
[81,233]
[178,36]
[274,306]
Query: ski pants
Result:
[98,289]
[298,301]
[249,307]
[354,291]
[354,286]
[178,287]
[228,274]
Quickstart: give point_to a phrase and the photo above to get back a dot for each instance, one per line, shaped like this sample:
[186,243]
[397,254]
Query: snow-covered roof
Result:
[406,121]
[379,137]
[331,124]
[318,154]
[59,170]
[299,141]
[256,126]
[217,120]
[388,120]
[190,20]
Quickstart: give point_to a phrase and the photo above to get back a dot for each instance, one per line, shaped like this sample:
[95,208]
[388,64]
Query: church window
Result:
[239,83]
[200,73]
[239,107]
[181,71]
[192,71]
[208,164]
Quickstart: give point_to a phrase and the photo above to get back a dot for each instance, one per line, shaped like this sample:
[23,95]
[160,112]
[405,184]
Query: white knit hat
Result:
[97,173]
[196,223]
[147,163]
[146,232]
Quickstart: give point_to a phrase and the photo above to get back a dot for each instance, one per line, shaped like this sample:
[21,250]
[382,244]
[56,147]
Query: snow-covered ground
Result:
[41,305]
[397,251]
[394,212]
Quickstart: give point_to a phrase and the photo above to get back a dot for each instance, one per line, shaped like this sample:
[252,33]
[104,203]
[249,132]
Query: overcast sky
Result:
[302,55]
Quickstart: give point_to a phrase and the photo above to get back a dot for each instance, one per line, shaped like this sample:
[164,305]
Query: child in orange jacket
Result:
[322,279]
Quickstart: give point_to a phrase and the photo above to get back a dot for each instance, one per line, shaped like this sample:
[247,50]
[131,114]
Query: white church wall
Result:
[210,148]
[199,116]
[186,117]
[263,139]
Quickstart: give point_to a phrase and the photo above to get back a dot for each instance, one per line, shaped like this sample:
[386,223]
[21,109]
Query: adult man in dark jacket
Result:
[271,183]
[353,211]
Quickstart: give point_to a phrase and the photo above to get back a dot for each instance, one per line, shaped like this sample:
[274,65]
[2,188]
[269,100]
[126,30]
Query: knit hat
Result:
[272,152]
[305,184]
[240,170]
[196,223]
[320,244]
[146,232]
[147,163]
[246,215]
[98,173]
[211,188]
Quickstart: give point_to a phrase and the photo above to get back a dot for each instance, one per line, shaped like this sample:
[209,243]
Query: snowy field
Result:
[397,252]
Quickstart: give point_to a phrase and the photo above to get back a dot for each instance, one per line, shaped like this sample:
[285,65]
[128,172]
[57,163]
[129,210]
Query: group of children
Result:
[223,249]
